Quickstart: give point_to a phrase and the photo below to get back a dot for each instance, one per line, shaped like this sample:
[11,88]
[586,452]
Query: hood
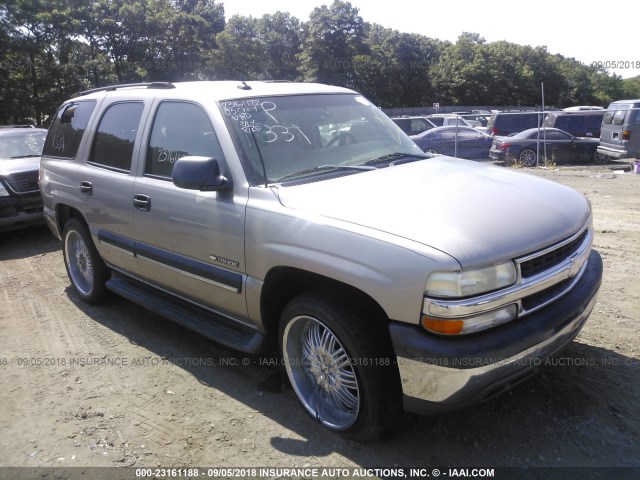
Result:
[476,213]
[17,165]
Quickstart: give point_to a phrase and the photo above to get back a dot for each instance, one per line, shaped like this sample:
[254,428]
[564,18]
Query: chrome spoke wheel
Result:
[79,263]
[321,372]
[528,158]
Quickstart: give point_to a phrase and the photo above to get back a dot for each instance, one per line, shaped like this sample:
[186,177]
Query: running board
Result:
[212,326]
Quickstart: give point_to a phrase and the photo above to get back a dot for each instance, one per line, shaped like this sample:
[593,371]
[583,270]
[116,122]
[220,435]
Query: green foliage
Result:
[631,87]
[332,38]
[50,50]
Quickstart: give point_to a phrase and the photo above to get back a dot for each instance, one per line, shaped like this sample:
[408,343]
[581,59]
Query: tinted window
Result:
[179,129]
[553,135]
[593,122]
[67,129]
[113,145]
[616,114]
[569,123]
[405,125]
[618,117]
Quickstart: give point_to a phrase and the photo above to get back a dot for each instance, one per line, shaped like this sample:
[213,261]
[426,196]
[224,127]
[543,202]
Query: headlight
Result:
[467,283]
[3,191]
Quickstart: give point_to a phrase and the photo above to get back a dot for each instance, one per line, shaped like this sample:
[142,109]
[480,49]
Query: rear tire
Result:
[340,363]
[527,158]
[86,270]
[600,159]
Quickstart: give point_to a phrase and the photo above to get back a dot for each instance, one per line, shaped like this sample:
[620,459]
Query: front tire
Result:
[86,270]
[340,363]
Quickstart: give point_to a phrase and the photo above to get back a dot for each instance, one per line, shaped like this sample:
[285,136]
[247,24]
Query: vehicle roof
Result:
[577,112]
[215,90]
[431,131]
[548,129]
[625,101]
[582,108]
[409,117]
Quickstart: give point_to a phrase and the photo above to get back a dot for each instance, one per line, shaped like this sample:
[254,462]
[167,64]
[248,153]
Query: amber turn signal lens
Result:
[447,327]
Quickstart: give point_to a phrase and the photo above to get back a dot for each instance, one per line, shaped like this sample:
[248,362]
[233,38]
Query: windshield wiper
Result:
[324,168]
[397,158]
[27,156]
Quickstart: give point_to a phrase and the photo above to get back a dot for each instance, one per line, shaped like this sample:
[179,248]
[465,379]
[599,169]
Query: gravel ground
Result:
[116,386]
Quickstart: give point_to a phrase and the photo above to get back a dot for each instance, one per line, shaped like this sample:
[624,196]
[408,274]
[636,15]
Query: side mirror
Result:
[199,173]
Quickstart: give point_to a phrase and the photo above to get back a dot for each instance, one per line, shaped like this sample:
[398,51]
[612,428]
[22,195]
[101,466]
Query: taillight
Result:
[494,131]
[626,135]
[504,146]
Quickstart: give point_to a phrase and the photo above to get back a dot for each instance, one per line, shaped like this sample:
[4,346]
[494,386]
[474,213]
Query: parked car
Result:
[413,125]
[507,122]
[20,201]
[579,123]
[620,134]
[480,116]
[461,142]
[384,277]
[445,120]
[561,147]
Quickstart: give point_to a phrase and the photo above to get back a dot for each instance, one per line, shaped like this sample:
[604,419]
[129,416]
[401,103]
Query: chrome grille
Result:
[549,259]
[24,182]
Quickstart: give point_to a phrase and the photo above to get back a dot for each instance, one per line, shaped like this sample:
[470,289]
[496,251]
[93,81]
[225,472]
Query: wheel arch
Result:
[282,284]
[64,213]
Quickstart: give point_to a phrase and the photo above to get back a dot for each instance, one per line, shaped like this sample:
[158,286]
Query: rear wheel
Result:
[339,362]
[86,270]
[600,159]
[527,158]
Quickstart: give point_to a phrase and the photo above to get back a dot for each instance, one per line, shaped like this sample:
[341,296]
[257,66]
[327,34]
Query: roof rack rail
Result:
[111,88]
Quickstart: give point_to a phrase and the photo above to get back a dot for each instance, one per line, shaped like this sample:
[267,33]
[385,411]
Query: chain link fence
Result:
[531,137]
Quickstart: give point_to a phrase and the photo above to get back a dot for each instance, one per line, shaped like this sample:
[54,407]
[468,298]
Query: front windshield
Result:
[282,136]
[23,144]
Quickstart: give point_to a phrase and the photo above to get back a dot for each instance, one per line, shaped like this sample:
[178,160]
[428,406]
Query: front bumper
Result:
[441,373]
[19,212]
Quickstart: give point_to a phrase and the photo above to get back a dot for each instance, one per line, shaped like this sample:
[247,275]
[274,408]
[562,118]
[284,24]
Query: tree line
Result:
[51,49]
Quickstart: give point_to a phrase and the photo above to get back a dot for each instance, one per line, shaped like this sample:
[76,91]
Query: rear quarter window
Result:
[67,129]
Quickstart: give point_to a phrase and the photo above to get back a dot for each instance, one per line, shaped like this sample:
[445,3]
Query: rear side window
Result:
[67,129]
[116,134]
[619,116]
[179,129]
[616,114]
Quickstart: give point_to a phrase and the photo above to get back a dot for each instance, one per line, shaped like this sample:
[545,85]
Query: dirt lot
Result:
[115,385]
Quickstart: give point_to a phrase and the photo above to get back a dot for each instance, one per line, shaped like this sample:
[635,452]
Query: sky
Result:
[574,29]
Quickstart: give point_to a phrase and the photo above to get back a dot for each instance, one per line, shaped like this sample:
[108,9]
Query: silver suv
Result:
[300,217]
